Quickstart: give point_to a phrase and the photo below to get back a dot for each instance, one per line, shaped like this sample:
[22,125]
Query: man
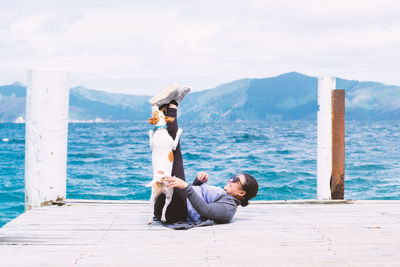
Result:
[198,201]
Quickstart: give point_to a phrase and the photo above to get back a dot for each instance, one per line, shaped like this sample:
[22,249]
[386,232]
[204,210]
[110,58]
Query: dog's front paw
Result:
[163,219]
[150,221]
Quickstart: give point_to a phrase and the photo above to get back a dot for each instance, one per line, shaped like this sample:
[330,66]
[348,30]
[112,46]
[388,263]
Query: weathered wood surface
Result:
[100,234]
[338,144]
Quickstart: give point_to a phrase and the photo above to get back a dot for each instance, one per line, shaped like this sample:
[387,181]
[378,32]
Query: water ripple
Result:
[113,160]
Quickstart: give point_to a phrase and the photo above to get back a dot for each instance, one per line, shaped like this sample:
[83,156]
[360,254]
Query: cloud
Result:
[141,45]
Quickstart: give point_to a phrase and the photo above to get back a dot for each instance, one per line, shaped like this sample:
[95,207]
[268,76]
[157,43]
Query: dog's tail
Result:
[159,180]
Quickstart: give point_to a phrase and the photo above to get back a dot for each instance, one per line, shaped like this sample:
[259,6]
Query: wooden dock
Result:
[115,233]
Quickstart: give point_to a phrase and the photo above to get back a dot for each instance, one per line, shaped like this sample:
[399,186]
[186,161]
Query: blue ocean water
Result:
[113,160]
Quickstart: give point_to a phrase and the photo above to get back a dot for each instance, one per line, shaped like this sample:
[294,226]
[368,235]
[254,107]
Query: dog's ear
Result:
[169,119]
[153,120]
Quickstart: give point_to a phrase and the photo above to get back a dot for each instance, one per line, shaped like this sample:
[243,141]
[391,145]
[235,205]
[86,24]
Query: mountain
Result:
[85,105]
[370,100]
[290,96]
[12,102]
[89,105]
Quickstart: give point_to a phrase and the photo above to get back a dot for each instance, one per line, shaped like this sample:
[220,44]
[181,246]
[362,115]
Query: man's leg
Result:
[177,167]
[177,209]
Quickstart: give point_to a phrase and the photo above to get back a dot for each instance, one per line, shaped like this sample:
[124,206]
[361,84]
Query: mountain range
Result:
[290,96]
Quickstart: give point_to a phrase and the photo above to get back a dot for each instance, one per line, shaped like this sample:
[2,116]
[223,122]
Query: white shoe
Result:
[180,94]
[165,95]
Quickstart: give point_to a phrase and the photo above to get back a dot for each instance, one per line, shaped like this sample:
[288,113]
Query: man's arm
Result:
[196,181]
[201,178]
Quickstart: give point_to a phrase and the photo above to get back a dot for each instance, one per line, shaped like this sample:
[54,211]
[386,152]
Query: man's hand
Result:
[175,182]
[202,177]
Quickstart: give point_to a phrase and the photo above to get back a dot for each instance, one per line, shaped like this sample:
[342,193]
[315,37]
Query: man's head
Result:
[242,187]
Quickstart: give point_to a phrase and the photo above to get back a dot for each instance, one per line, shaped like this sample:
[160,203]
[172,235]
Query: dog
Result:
[162,146]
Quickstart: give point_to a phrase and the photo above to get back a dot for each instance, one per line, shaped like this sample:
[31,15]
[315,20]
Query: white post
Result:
[324,139]
[46,134]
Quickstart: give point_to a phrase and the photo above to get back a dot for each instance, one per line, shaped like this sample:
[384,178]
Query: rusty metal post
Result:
[338,144]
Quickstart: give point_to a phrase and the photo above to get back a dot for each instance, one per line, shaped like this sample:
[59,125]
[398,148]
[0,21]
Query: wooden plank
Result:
[338,144]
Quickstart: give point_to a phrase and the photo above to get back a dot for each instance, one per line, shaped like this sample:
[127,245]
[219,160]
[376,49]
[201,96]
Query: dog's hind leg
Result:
[176,141]
[168,198]
[152,203]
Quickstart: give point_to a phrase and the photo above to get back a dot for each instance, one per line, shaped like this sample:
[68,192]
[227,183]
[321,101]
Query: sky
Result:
[137,47]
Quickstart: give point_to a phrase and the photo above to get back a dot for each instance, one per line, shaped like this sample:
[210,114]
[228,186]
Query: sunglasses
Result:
[236,179]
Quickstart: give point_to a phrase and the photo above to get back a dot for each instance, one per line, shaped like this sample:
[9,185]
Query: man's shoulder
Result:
[229,198]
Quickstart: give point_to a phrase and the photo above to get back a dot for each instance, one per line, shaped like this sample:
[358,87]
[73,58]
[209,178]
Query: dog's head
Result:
[158,118]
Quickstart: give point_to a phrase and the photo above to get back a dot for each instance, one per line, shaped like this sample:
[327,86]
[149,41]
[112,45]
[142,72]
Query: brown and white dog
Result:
[162,146]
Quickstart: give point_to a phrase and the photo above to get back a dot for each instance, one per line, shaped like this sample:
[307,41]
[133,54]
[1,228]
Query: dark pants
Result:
[177,209]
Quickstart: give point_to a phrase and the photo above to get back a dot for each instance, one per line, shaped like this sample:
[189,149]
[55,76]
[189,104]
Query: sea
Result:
[113,160]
